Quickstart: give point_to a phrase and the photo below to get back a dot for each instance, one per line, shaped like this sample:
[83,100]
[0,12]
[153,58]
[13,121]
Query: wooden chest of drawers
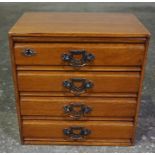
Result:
[78,77]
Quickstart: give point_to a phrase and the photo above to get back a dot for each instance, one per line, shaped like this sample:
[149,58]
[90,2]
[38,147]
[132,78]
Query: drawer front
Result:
[78,108]
[77,130]
[78,82]
[105,54]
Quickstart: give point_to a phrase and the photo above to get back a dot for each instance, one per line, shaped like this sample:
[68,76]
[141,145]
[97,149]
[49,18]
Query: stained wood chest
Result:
[78,77]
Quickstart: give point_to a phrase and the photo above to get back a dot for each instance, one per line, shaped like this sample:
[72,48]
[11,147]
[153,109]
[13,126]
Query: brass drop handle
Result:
[77,90]
[76,110]
[29,52]
[76,132]
[84,59]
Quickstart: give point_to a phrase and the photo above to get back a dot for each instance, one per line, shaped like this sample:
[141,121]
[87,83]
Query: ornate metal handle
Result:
[77,90]
[76,110]
[82,60]
[29,52]
[76,132]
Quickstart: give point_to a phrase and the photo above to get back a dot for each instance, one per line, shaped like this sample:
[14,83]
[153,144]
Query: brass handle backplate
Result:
[76,132]
[83,58]
[76,110]
[77,90]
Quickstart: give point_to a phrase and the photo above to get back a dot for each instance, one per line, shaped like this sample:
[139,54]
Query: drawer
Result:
[78,82]
[107,54]
[76,130]
[78,108]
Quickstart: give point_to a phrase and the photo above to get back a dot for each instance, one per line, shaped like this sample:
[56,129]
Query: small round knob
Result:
[29,52]
[90,57]
[67,84]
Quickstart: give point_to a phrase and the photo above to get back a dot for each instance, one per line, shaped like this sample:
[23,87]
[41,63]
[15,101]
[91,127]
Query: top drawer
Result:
[79,54]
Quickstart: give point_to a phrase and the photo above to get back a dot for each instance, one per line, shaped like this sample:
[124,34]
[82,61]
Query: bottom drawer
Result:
[76,131]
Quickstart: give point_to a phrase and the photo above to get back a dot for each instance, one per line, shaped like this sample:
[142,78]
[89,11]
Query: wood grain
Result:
[68,94]
[105,142]
[82,69]
[79,24]
[101,107]
[103,81]
[14,76]
[105,54]
[102,118]
[120,44]
[99,129]
[77,39]
[140,91]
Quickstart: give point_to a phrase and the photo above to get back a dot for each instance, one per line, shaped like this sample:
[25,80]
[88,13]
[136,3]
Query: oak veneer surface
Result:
[102,81]
[99,130]
[79,24]
[105,54]
[100,107]
[119,43]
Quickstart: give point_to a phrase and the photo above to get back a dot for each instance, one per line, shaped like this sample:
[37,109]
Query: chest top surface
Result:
[79,24]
